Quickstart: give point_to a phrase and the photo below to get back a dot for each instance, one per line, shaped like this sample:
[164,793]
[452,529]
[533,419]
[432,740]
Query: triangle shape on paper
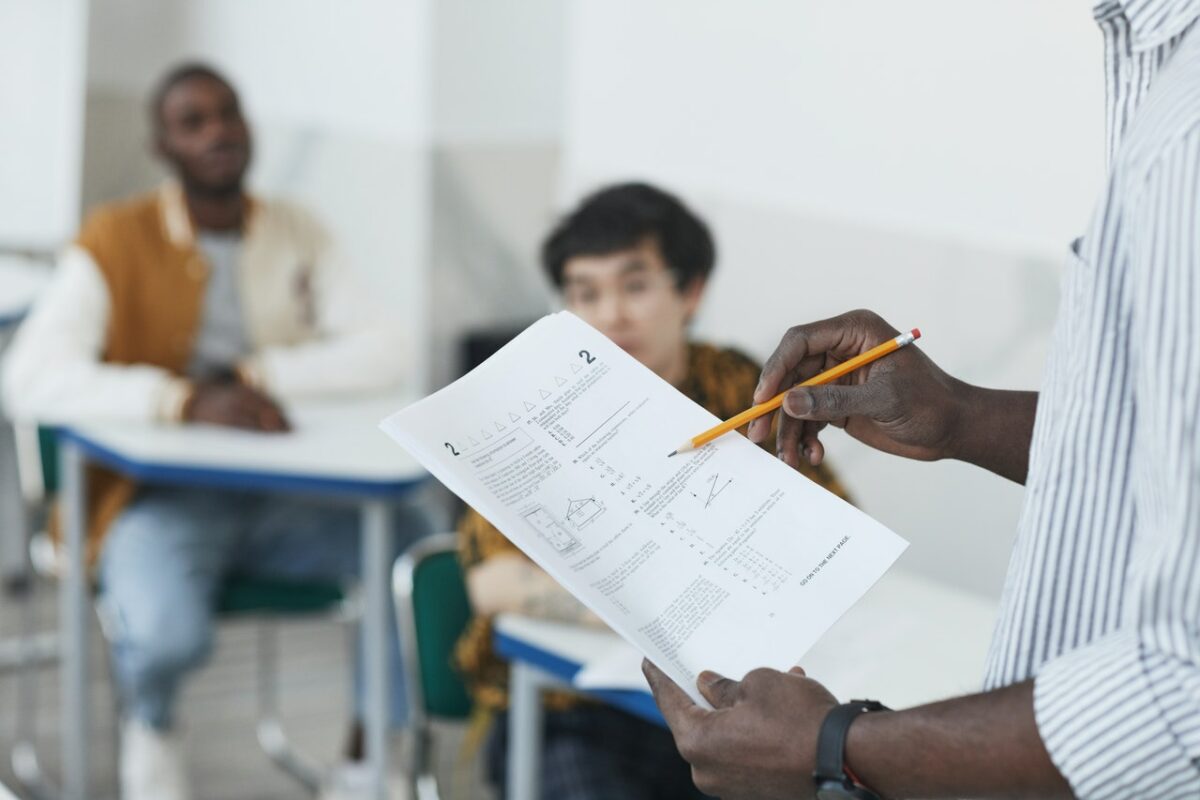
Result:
[543,393]
[513,417]
[500,427]
[529,406]
[560,381]
[473,440]
[575,368]
[486,435]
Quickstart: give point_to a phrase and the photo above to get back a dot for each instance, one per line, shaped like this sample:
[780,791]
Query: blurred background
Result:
[928,160]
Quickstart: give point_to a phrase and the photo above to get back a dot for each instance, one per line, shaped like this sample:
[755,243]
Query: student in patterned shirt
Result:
[633,262]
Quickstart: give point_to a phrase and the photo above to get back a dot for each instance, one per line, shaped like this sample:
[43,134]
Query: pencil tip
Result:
[672,453]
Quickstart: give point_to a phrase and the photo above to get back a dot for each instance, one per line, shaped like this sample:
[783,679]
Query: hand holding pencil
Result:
[828,376]
[903,404]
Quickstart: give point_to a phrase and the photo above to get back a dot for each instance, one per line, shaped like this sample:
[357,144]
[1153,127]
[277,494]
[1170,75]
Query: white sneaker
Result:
[351,780]
[151,764]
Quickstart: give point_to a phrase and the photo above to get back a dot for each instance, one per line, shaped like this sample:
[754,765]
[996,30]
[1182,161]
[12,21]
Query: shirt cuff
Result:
[1106,729]
[172,399]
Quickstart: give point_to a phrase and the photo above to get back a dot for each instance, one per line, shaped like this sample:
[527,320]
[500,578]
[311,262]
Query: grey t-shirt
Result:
[221,340]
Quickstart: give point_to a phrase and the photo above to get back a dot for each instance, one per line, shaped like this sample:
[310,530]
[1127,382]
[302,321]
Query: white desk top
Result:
[333,445]
[20,281]
[908,641]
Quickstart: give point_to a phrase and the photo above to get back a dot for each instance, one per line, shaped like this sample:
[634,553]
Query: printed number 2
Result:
[453,452]
[586,356]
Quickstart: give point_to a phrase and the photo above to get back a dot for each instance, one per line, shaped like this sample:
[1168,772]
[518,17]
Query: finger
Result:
[787,440]
[835,402]
[722,692]
[271,418]
[840,337]
[760,428]
[811,446]
[679,710]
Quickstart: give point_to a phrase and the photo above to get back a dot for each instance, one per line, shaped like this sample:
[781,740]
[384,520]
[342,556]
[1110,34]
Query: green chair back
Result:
[433,612]
[48,455]
[240,596]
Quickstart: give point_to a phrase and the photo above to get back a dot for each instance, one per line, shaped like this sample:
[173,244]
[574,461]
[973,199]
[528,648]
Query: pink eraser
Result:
[916,332]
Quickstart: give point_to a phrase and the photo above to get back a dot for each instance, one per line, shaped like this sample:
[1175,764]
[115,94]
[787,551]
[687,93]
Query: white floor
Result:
[217,711]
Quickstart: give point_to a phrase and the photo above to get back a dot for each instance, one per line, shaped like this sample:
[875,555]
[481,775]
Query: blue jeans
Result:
[167,554]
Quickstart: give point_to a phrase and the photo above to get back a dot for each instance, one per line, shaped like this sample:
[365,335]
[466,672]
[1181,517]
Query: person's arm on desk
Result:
[356,346]
[500,579]
[232,403]
[515,585]
[54,372]
[903,404]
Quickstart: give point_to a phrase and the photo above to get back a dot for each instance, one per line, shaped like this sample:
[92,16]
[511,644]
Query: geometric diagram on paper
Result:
[552,531]
[560,381]
[500,427]
[529,406]
[715,487]
[513,417]
[543,393]
[485,434]
[474,442]
[581,512]
[575,368]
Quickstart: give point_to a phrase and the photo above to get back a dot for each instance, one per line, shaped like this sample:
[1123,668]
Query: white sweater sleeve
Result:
[53,372]
[357,349]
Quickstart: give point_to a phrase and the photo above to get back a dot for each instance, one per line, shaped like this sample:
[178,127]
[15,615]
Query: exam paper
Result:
[722,558]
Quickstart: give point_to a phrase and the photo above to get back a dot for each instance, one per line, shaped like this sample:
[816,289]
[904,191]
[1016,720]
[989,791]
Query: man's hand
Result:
[234,405]
[902,404]
[761,739]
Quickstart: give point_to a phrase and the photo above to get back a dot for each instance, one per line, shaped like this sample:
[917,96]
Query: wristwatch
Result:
[830,776]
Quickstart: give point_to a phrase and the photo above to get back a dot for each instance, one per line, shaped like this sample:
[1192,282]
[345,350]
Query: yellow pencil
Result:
[828,376]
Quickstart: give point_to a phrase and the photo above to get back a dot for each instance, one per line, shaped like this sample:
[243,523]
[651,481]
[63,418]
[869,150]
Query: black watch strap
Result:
[830,772]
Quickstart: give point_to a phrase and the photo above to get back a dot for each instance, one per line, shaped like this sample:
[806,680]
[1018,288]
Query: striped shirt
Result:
[1102,602]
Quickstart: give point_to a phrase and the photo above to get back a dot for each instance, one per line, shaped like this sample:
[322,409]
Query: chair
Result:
[266,602]
[432,610]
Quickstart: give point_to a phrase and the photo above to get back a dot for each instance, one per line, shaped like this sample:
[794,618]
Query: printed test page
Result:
[721,558]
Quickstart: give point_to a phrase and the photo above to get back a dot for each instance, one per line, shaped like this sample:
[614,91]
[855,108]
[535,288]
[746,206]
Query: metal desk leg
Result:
[525,731]
[73,606]
[14,544]
[375,570]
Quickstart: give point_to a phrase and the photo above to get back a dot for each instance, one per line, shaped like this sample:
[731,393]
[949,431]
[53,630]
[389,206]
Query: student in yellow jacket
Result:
[197,303]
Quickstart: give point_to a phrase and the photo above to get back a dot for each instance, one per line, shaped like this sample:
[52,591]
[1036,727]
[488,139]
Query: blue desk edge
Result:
[232,478]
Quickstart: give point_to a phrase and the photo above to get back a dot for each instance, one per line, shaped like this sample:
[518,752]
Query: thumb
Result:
[717,689]
[829,403]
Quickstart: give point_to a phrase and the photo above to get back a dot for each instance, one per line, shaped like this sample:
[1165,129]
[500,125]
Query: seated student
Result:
[198,303]
[633,262]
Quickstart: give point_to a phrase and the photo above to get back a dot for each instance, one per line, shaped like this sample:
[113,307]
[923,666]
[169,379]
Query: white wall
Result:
[929,160]
[497,72]
[976,121]
[498,85]
[41,137]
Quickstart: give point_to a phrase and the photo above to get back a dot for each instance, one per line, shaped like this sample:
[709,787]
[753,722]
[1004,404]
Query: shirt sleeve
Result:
[1120,716]
[358,347]
[54,370]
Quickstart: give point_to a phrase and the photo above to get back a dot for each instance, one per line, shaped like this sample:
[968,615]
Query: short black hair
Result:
[177,75]
[622,216]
